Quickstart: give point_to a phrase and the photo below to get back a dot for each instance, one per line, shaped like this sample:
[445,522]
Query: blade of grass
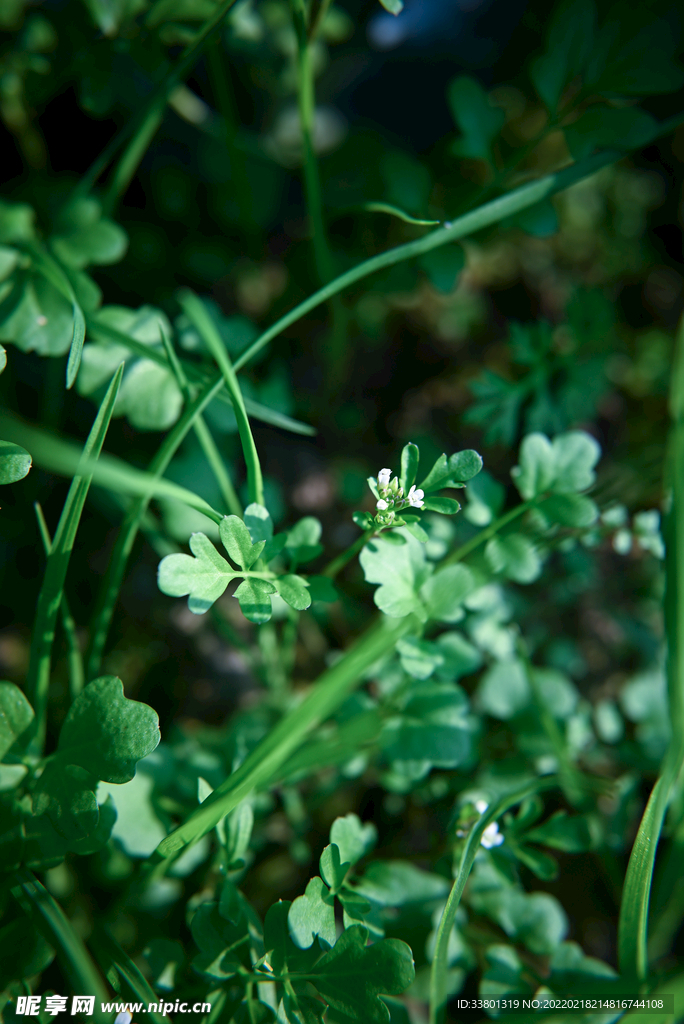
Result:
[204,436]
[438,971]
[52,922]
[198,316]
[196,376]
[74,656]
[133,520]
[106,949]
[146,125]
[272,752]
[633,921]
[62,457]
[475,220]
[52,589]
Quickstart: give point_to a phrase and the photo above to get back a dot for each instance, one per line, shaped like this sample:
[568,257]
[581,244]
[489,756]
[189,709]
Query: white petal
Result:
[381,504]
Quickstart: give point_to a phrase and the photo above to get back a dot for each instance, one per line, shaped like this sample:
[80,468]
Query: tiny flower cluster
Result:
[391,498]
[491,835]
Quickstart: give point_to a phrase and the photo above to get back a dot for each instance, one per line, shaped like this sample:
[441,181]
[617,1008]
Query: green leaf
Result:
[150,397]
[515,556]
[295,591]
[561,832]
[443,267]
[313,914]
[570,41]
[302,540]
[15,462]
[16,222]
[419,658]
[564,465]
[569,510]
[433,727]
[460,657]
[504,690]
[390,208]
[16,715]
[364,520]
[259,523]
[410,456]
[540,864]
[255,601]
[447,506]
[352,975]
[333,870]
[236,540]
[602,127]
[76,349]
[352,838]
[42,321]
[399,570]
[204,578]
[452,472]
[103,737]
[395,883]
[540,220]
[393,6]
[106,733]
[478,120]
[86,237]
[445,592]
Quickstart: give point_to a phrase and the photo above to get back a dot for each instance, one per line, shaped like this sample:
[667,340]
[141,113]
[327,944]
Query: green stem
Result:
[633,920]
[274,750]
[50,597]
[440,962]
[274,663]
[111,584]
[198,316]
[145,127]
[476,220]
[484,535]
[204,436]
[51,920]
[338,563]
[74,656]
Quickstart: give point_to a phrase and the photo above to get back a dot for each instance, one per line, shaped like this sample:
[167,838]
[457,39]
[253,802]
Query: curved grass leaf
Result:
[52,588]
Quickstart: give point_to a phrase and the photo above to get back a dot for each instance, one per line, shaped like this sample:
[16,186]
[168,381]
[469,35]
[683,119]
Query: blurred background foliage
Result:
[561,318]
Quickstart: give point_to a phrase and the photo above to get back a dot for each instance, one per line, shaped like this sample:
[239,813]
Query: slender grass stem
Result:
[204,436]
[438,972]
[74,655]
[490,531]
[50,919]
[145,127]
[52,589]
[198,316]
[633,920]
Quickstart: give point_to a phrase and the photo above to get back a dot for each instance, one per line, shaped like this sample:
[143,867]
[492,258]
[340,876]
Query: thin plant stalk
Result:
[133,519]
[204,436]
[440,961]
[633,920]
[198,316]
[147,124]
[52,589]
[50,919]
[74,655]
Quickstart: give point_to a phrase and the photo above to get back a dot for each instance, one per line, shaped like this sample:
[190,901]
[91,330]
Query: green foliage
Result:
[15,462]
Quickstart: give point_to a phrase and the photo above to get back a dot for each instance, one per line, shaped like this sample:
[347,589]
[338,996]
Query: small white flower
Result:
[415,497]
[384,477]
[491,836]
[381,504]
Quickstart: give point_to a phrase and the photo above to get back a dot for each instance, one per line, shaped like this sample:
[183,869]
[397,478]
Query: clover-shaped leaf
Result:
[15,462]
[236,540]
[562,466]
[254,596]
[352,975]
[203,578]
[16,715]
[103,737]
[313,914]
[352,838]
